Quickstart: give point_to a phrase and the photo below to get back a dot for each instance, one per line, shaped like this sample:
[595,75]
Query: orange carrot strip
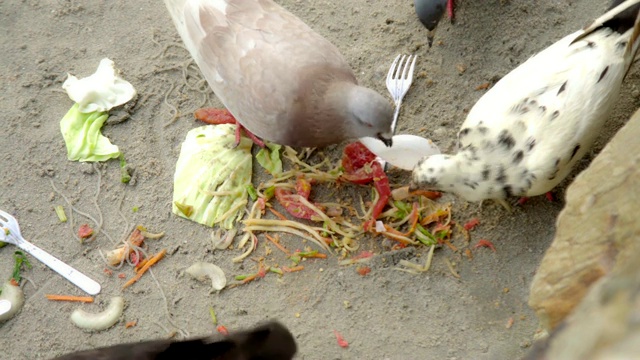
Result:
[84,299]
[396,235]
[426,193]
[250,278]
[278,245]
[293,269]
[130,324]
[140,265]
[276,213]
[414,219]
[450,245]
[144,268]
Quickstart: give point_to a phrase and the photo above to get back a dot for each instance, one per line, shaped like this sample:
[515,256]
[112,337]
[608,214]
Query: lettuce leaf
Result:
[211,178]
[81,133]
[269,158]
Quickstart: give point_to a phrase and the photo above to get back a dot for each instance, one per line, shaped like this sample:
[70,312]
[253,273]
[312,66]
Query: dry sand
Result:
[392,315]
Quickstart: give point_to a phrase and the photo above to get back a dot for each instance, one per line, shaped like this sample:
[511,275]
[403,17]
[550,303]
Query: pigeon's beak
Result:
[387,139]
[430,35]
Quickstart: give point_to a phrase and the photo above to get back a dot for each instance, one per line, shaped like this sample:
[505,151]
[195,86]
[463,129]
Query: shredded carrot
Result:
[293,269]
[13,282]
[278,214]
[250,278]
[140,265]
[130,324]
[278,245]
[450,245]
[396,235]
[426,193]
[84,299]
[414,216]
[433,217]
[154,259]
[468,254]
[318,255]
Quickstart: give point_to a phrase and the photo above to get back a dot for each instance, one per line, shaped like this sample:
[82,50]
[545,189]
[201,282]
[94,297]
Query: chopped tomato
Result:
[85,231]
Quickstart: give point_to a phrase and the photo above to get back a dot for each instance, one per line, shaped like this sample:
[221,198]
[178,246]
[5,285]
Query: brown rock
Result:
[606,324]
[596,231]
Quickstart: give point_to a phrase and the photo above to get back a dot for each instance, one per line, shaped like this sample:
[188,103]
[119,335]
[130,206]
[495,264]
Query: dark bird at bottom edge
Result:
[270,341]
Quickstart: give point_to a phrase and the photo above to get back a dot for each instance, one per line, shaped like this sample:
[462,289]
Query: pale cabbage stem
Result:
[415,268]
[254,243]
[229,212]
[345,243]
[266,224]
[399,237]
[287,229]
[332,224]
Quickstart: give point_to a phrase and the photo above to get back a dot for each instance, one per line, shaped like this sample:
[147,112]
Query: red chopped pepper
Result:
[471,224]
[303,187]
[85,231]
[361,168]
[485,243]
[134,258]
[341,341]
[363,270]
[292,205]
[222,330]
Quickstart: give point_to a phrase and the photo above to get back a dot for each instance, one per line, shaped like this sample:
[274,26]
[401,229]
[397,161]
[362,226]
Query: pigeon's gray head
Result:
[430,12]
[450,174]
[370,115]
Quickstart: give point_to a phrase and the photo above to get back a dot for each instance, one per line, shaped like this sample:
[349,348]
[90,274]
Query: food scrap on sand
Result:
[485,243]
[94,96]
[101,320]
[11,290]
[154,259]
[202,270]
[341,341]
[83,299]
[131,250]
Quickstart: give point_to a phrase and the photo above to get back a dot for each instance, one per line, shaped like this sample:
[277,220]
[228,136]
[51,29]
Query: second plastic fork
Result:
[398,82]
[12,235]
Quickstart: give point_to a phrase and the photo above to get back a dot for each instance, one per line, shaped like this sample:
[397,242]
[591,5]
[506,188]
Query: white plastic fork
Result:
[399,80]
[10,233]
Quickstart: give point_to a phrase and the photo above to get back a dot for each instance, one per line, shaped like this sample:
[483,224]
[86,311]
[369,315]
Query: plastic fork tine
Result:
[398,81]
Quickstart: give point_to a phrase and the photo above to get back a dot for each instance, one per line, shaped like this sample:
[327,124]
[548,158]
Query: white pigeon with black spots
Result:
[523,137]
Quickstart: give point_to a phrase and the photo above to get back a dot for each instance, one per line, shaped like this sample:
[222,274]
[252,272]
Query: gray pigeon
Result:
[271,341]
[523,137]
[281,80]
[430,12]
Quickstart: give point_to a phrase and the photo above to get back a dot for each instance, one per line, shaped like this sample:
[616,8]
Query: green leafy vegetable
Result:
[269,158]
[253,193]
[20,259]
[61,214]
[81,133]
[211,178]
[124,173]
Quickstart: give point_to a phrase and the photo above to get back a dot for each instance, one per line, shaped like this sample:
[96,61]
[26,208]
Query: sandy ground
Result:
[392,315]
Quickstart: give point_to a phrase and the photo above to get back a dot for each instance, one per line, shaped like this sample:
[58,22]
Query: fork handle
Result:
[394,125]
[79,279]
